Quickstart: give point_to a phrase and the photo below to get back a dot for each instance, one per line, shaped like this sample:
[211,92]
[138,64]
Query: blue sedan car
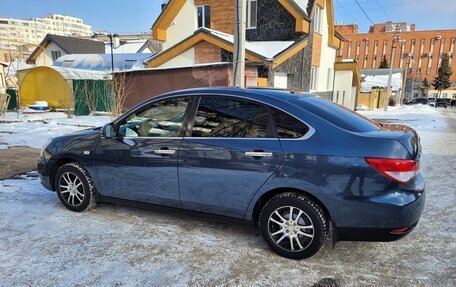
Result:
[292,164]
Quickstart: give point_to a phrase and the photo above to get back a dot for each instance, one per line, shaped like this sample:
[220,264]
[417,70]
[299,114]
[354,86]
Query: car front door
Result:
[140,163]
[229,153]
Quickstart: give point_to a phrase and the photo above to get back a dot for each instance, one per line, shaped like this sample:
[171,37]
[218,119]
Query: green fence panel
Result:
[94,91]
[14,102]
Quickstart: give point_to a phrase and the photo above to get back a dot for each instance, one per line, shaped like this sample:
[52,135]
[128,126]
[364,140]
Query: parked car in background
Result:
[431,102]
[422,101]
[291,164]
[441,103]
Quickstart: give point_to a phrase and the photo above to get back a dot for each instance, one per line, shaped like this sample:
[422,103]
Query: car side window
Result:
[288,126]
[219,116]
[161,119]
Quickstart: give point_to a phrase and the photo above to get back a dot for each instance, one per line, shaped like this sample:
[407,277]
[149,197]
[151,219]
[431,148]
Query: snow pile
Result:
[422,117]
[412,109]
[24,117]
[369,82]
[415,109]
[34,130]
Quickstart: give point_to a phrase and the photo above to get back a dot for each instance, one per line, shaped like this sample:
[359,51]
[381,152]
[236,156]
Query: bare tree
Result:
[117,91]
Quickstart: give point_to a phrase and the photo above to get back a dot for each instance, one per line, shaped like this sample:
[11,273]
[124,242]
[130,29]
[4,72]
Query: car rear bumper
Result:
[382,218]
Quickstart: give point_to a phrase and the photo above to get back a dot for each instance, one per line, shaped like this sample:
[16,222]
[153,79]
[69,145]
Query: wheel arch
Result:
[55,167]
[264,198]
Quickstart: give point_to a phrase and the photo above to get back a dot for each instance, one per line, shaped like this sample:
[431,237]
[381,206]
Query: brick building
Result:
[420,52]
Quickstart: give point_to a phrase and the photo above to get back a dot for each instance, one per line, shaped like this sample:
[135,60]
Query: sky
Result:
[135,16]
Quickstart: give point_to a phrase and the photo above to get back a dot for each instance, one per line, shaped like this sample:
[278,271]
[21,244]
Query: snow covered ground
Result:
[43,244]
[33,130]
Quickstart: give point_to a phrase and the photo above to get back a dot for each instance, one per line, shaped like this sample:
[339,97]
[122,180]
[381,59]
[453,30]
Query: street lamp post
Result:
[112,49]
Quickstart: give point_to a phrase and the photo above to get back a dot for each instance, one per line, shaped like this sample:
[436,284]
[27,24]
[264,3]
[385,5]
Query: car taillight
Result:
[399,170]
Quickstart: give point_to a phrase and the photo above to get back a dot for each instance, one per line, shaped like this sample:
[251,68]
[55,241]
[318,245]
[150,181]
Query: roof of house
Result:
[267,49]
[379,78]
[129,46]
[69,45]
[305,5]
[260,51]
[102,62]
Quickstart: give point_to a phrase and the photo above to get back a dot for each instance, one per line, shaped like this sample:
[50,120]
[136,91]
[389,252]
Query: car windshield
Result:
[337,115]
[441,100]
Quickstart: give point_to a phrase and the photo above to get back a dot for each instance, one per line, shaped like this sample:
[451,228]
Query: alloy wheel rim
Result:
[291,228]
[71,188]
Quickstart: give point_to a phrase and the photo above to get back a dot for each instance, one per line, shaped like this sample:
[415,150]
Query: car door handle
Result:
[258,154]
[164,151]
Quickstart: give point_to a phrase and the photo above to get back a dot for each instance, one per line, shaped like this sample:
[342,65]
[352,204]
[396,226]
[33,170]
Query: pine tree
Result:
[425,86]
[442,80]
[384,63]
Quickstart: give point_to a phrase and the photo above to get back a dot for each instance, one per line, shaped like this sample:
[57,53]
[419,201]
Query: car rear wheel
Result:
[293,225]
[74,187]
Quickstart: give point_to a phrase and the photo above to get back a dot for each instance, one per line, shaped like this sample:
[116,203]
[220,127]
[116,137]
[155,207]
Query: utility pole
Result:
[404,84]
[240,16]
[390,77]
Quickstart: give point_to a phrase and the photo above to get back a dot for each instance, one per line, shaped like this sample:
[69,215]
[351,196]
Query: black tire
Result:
[308,219]
[81,195]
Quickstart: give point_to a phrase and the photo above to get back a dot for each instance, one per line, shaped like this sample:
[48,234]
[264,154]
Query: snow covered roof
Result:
[128,47]
[267,49]
[75,74]
[102,62]
[12,68]
[379,78]
[304,5]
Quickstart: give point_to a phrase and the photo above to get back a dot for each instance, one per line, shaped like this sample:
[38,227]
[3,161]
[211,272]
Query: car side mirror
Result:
[108,131]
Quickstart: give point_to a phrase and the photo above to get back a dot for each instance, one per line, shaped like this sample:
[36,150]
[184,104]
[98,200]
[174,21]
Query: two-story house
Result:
[293,43]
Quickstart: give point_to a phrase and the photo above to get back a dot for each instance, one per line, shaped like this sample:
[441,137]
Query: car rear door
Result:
[230,150]
[140,164]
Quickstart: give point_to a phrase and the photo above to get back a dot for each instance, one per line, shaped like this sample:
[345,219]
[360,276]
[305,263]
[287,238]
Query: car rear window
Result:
[337,115]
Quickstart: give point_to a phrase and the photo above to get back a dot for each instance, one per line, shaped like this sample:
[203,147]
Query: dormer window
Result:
[204,16]
[251,14]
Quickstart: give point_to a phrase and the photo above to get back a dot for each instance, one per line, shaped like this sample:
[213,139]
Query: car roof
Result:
[253,92]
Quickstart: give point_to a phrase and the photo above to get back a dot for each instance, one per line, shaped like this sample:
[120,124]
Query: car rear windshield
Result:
[337,115]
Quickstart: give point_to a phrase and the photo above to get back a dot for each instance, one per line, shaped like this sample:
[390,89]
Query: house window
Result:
[55,55]
[251,14]
[313,78]
[318,18]
[204,16]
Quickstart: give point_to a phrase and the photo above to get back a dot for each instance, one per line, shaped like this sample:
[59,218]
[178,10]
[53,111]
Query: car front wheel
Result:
[293,225]
[74,187]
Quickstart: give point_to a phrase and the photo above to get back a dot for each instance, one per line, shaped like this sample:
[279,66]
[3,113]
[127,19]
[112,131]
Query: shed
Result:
[53,84]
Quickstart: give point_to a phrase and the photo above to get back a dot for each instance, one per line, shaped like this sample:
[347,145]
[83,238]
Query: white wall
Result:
[281,80]
[46,59]
[327,59]
[343,87]
[185,59]
[183,26]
